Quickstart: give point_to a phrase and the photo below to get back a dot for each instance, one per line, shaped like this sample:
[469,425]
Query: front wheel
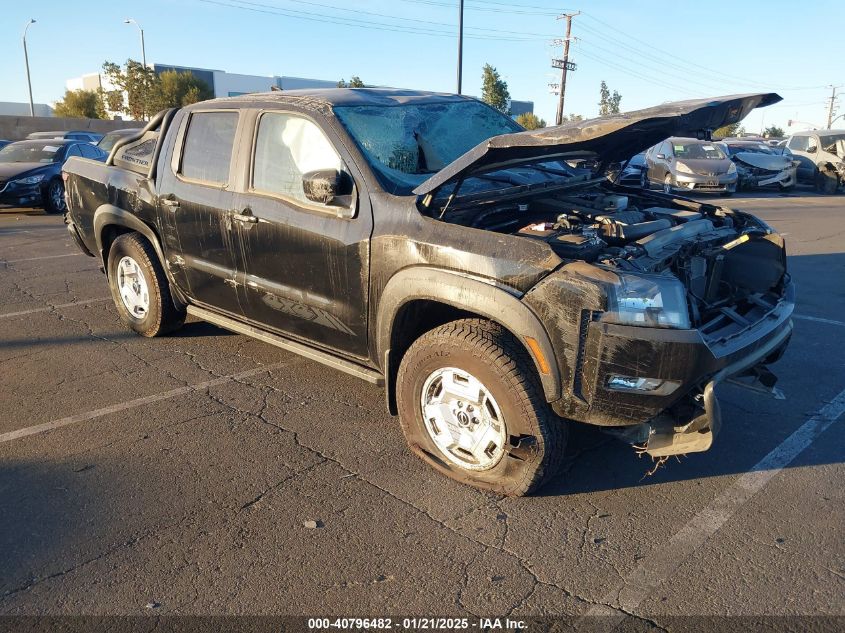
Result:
[826,181]
[471,406]
[140,289]
[54,197]
[667,184]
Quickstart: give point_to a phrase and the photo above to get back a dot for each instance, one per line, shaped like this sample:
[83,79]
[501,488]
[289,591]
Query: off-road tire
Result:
[536,436]
[50,205]
[162,316]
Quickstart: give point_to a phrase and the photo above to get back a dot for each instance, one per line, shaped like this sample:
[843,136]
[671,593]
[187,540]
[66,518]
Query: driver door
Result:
[306,263]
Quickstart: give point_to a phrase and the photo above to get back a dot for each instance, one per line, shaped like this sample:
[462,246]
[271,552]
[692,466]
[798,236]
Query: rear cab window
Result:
[207,149]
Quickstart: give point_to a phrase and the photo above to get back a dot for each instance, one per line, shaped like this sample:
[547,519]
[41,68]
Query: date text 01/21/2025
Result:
[415,624]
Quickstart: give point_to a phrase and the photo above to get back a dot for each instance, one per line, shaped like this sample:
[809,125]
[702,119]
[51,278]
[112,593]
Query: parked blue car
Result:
[31,171]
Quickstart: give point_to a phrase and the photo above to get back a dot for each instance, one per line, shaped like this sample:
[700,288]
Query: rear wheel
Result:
[140,289]
[644,182]
[54,197]
[471,406]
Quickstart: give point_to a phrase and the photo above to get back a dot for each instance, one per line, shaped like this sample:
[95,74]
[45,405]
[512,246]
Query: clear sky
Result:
[651,51]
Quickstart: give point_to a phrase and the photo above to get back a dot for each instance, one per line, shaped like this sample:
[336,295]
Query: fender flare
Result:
[108,214]
[471,294]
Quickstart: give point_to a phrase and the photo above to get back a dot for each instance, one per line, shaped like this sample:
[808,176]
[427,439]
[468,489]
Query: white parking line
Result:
[652,572]
[817,319]
[53,307]
[33,259]
[132,404]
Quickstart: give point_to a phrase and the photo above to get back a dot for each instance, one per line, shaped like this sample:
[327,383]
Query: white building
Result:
[223,84]
[18,108]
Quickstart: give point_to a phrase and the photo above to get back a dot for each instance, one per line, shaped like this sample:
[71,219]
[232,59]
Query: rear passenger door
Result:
[306,263]
[196,201]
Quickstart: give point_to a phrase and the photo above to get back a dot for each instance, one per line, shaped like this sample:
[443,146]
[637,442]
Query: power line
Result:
[672,55]
[526,11]
[258,7]
[395,17]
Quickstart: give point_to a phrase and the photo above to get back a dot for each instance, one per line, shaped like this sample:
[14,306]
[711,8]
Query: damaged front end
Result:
[658,298]
[762,170]
[673,302]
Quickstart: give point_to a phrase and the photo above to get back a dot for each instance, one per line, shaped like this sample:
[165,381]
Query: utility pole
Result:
[830,110]
[564,64]
[26,61]
[460,41]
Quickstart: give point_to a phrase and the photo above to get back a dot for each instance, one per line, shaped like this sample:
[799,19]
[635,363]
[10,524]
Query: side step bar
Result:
[370,375]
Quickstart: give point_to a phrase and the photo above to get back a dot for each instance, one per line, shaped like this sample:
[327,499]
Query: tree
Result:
[727,131]
[608,103]
[81,104]
[133,86]
[174,89]
[571,118]
[494,90]
[355,82]
[140,92]
[530,121]
[773,131]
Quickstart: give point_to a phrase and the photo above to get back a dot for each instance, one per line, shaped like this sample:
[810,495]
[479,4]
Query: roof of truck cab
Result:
[323,97]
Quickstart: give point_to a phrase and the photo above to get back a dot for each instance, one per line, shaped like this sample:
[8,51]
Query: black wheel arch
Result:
[111,221]
[418,299]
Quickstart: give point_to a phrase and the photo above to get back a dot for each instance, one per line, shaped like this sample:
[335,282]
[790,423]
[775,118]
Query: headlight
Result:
[731,169]
[30,180]
[648,300]
[681,167]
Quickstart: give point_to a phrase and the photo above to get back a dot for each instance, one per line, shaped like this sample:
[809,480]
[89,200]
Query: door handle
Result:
[245,216]
[171,203]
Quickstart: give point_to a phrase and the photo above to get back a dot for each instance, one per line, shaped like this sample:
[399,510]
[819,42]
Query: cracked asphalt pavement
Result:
[208,473]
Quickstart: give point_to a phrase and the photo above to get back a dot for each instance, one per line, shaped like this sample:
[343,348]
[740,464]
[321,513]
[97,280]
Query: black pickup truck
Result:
[496,287]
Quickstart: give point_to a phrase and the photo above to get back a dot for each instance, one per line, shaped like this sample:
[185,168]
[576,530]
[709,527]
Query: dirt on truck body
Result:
[425,242]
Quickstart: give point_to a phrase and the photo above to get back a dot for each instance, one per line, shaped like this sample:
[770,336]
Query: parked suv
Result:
[423,242]
[687,164]
[821,156]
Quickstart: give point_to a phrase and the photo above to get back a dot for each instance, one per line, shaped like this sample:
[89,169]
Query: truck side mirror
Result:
[331,187]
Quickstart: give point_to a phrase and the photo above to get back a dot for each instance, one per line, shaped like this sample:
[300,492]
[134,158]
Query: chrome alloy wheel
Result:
[133,287]
[463,419]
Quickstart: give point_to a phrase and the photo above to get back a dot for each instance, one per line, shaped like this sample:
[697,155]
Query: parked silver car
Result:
[687,164]
[821,156]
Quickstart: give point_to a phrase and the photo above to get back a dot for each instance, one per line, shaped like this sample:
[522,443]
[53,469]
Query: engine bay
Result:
[716,253]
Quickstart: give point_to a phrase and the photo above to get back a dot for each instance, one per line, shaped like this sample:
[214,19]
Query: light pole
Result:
[26,61]
[143,61]
[143,50]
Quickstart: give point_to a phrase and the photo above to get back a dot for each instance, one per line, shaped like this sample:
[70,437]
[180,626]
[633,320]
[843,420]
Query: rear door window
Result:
[89,151]
[207,151]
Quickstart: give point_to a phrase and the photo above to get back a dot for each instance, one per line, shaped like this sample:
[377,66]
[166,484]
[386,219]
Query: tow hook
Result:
[760,380]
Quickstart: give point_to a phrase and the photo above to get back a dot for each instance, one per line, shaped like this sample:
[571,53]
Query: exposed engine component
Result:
[717,261]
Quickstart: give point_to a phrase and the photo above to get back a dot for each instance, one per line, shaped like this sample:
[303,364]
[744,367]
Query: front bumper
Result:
[696,182]
[785,178]
[685,357]
[18,195]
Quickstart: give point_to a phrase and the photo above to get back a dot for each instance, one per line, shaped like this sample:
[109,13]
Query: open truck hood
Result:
[611,139]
